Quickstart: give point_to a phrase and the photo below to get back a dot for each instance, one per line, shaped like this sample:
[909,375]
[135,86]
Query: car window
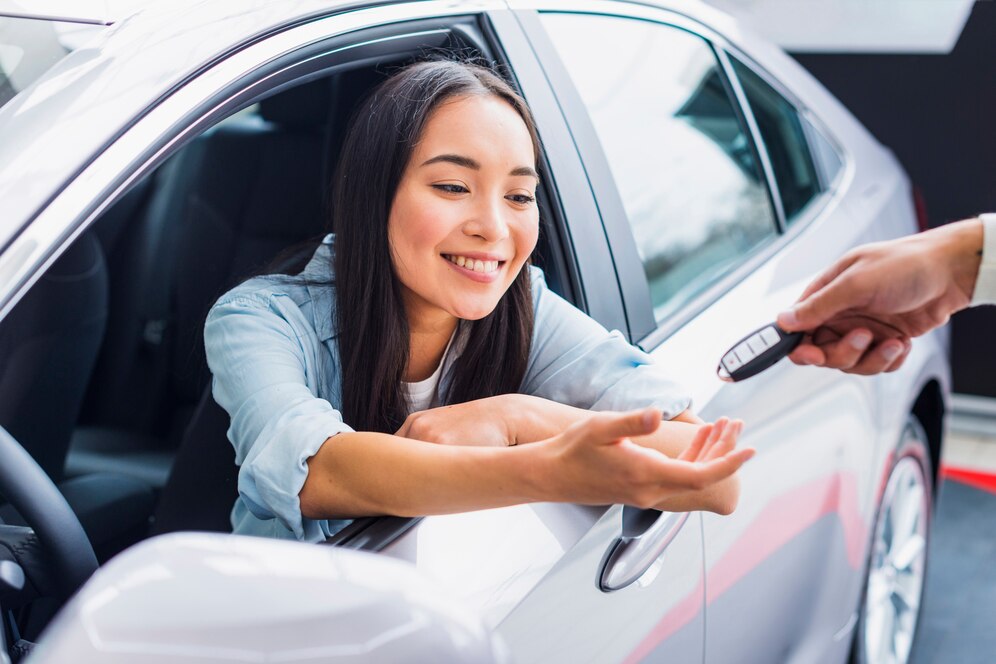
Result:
[30,47]
[784,140]
[684,165]
[826,155]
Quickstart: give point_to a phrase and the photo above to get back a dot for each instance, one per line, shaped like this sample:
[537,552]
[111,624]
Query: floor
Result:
[958,623]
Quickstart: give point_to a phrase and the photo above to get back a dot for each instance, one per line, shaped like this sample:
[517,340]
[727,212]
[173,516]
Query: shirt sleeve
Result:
[264,357]
[985,283]
[576,361]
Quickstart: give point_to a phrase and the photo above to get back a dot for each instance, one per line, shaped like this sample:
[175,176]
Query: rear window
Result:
[30,47]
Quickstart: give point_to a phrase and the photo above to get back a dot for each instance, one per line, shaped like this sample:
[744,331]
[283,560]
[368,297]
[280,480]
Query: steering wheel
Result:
[69,554]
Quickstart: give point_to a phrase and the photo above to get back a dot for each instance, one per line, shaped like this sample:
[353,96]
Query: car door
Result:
[708,249]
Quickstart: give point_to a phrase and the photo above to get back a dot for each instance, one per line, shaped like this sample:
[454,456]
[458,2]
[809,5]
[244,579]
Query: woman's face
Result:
[464,218]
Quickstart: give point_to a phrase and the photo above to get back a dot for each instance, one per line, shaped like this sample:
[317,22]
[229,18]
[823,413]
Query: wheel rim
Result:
[898,565]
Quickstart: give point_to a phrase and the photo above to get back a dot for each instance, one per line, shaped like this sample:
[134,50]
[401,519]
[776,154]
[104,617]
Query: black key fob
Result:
[756,352]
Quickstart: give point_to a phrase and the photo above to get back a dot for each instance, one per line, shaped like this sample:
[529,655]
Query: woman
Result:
[418,365]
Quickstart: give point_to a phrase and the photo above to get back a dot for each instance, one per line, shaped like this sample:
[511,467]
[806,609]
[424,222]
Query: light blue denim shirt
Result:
[271,347]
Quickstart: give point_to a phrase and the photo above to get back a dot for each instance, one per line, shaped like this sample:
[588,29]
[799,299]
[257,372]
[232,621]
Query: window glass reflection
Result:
[683,164]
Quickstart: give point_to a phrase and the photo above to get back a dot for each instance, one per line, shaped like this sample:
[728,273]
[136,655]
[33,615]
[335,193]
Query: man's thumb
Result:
[815,310]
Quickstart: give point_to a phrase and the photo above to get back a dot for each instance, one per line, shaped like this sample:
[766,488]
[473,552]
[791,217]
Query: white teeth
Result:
[472,264]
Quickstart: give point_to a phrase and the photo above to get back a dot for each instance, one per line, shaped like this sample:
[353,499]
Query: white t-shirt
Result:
[985,284]
[422,394]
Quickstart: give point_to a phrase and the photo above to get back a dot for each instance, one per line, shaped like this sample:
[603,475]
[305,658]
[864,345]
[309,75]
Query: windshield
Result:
[30,47]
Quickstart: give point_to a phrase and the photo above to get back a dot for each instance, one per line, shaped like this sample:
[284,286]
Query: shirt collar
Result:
[319,269]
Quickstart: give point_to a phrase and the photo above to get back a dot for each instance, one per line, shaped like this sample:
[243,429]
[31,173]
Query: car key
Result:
[756,352]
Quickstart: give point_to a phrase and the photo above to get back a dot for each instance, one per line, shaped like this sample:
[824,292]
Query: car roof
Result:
[51,130]
[97,12]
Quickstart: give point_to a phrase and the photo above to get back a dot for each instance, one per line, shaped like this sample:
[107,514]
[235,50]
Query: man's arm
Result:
[862,312]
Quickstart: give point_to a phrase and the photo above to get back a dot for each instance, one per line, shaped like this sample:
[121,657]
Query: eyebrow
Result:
[472,164]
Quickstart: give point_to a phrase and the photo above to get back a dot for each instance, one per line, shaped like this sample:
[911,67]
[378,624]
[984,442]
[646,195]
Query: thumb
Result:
[607,428]
[819,307]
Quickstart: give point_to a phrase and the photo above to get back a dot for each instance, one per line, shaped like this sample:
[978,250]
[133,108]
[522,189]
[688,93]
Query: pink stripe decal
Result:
[781,521]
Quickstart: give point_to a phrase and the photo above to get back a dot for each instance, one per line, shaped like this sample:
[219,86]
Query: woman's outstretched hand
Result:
[596,462]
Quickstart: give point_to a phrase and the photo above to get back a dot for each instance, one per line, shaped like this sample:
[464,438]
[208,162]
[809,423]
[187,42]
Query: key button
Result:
[770,336]
[757,344]
[744,352]
[732,362]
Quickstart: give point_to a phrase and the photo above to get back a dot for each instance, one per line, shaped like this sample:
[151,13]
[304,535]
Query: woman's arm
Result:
[517,419]
[594,461]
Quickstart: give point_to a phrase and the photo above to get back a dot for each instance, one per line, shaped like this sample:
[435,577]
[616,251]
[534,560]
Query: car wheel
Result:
[897,565]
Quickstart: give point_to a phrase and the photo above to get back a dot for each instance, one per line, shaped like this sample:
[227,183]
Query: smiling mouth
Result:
[483,267]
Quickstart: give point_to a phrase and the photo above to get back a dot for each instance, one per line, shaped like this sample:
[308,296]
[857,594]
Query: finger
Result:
[683,476]
[880,358]
[828,275]
[691,453]
[607,428]
[728,441]
[848,351]
[806,354]
[898,362]
[719,469]
[719,427]
[837,295]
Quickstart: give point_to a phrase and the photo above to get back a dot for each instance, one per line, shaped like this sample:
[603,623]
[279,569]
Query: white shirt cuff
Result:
[985,284]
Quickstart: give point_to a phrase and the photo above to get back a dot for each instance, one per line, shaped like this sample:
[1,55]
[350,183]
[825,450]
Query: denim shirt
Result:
[272,350]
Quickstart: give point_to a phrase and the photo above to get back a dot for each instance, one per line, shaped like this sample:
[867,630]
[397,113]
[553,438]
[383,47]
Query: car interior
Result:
[103,378]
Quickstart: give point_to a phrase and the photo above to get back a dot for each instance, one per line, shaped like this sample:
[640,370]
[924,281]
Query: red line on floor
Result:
[973,478]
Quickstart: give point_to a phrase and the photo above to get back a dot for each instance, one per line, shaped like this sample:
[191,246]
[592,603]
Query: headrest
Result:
[307,105]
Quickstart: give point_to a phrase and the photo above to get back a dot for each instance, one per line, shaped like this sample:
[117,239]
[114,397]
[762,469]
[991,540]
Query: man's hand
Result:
[861,313]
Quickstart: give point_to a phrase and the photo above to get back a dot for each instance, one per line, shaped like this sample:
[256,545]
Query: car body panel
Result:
[272,601]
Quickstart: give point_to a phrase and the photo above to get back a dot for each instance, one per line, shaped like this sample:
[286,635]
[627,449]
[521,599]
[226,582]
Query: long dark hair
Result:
[374,343]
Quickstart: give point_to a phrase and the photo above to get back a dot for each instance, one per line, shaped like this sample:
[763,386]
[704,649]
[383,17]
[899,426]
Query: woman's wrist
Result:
[535,418]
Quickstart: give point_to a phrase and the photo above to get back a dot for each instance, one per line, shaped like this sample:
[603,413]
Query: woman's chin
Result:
[473,312]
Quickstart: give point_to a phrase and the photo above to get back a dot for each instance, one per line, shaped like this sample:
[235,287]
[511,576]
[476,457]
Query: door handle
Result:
[645,535]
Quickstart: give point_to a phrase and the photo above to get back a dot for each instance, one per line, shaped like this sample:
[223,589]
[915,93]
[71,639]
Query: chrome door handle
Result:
[645,535]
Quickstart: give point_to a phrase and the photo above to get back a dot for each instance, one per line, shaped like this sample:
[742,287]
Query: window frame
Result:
[339,49]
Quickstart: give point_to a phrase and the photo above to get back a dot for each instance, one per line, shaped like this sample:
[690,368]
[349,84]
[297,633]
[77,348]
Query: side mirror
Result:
[223,598]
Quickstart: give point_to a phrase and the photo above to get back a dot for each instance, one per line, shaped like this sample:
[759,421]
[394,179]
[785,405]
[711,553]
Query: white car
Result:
[695,180]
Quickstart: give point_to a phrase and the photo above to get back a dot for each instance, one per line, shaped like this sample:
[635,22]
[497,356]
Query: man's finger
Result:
[808,354]
[817,308]
[887,356]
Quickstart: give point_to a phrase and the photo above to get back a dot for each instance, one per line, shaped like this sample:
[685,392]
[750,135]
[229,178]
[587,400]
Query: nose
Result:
[488,220]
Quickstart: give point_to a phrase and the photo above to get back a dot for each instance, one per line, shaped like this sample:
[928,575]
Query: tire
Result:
[891,603]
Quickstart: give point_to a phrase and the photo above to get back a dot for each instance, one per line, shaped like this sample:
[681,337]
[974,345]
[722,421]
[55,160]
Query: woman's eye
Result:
[451,188]
[521,199]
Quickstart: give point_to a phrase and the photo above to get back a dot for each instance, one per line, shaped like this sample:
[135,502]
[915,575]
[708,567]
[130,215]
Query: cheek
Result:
[417,227]
[525,238]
